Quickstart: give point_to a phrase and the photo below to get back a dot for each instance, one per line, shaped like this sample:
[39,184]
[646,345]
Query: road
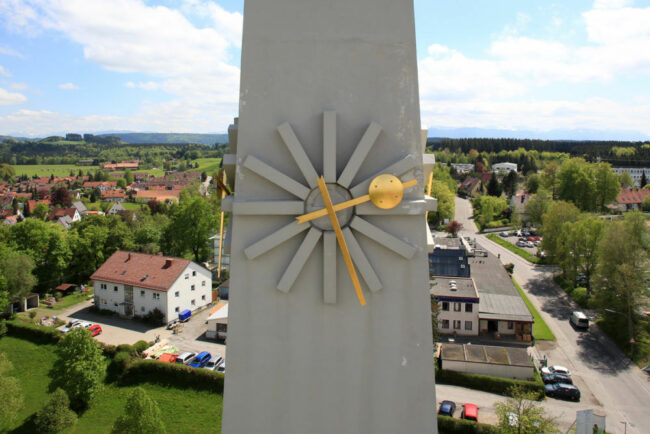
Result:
[608,380]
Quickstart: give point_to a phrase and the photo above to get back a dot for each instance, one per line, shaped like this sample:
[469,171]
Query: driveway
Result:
[116,331]
[607,379]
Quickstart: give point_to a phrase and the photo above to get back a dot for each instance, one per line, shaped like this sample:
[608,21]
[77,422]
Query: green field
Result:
[183,411]
[540,328]
[59,170]
[514,249]
[209,165]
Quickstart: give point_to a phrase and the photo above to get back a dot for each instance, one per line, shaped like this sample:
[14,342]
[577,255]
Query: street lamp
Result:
[625,423]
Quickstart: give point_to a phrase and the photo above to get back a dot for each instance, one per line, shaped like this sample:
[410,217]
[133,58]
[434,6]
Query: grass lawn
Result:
[209,165]
[132,206]
[60,170]
[540,328]
[182,410]
[514,249]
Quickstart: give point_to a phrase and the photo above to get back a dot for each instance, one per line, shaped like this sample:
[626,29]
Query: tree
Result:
[61,196]
[435,313]
[537,206]
[644,180]
[453,228]
[128,177]
[607,185]
[509,183]
[645,205]
[446,202]
[17,273]
[626,180]
[6,172]
[55,416]
[11,395]
[79,368]
[141,415]
[493,187]
[556,216]
[191,225]
[522,414]
[41,210]
[121,183]
[582,240]
[576,183]
[532,183]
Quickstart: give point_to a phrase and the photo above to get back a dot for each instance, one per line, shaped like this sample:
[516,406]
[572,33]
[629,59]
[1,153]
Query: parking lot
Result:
[116,331]
[513,240]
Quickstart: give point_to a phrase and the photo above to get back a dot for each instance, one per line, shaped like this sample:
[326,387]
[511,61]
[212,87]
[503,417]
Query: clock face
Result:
[330,207]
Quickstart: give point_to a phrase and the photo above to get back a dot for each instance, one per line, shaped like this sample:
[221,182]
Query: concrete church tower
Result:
[330,321]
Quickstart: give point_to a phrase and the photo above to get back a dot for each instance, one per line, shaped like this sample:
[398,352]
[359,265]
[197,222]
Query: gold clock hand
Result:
[339,236]
[352,202]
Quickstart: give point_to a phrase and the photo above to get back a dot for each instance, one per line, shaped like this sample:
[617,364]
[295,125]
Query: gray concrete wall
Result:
[505,371]
[296,364]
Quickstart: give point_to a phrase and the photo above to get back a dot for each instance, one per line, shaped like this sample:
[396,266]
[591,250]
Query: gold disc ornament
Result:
[386,191]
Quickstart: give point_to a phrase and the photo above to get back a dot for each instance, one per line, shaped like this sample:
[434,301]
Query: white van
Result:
[579,320]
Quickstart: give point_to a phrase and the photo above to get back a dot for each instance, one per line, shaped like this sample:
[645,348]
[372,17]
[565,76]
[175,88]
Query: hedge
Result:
[487,383]
[171,374]
[448,424]
[32,332]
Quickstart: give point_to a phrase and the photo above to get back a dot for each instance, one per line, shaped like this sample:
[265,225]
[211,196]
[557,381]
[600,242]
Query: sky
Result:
[173,65]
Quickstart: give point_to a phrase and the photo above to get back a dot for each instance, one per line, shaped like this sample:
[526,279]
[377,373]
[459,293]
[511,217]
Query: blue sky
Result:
[173,66]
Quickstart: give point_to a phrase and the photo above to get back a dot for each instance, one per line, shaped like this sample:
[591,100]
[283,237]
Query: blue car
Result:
[200,360]
[447,408]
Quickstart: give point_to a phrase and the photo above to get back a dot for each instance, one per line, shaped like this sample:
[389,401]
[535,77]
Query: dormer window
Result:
[144,278]
[123,272]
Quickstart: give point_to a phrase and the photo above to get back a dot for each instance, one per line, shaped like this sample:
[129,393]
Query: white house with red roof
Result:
[134,284]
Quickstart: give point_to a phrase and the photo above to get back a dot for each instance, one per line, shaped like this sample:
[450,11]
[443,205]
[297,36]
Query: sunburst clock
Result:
[328,207]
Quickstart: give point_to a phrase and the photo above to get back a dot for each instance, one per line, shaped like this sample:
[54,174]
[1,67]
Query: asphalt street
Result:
[608,380]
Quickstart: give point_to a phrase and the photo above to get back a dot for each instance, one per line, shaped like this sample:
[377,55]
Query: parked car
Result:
[562,391]
[504,234]
[447,408]
[538,243]
[556,369]
[95,330]
[168,357]
[530,244]
[579,320]
[525,233]
[69,326]
[556,378]
[200,360]
[185,315]
[185,358]
[470,412]
[213,363]
[222,367]
[521,243]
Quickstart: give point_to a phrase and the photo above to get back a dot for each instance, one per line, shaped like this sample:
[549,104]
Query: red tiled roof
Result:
[113,193]
[95,184]
[60,212]
[31,204]
[121,166]
[159,195]
[141,270]
[632,196]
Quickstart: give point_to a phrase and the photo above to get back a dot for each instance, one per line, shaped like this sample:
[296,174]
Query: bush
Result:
[58,296]
[126,348]
[108,351]
[140,346]
[56,415]
[141,415]
[510,268]
[487,383]
[450,424]
[3,328]
[171,374]
[32,314]
[35,333]
[155,317]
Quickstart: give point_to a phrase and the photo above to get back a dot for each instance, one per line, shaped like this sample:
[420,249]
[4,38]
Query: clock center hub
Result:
[338,194]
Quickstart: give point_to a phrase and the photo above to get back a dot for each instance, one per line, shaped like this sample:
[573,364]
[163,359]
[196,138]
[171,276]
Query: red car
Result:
[470,412]
[95,329]
[168,357]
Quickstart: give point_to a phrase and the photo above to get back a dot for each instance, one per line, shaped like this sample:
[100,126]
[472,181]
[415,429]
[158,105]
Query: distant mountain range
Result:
[451,133]
[578,135]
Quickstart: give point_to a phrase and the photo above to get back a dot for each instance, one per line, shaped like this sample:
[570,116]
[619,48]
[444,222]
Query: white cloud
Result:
[19,86]
[9,51]
[11,98]
[611,4]
[4,72]
[68,86]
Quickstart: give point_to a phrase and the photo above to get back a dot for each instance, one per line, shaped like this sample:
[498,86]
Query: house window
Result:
[445,305]
[468,325]
[193,273]
[511,325]
[457,324]
[114,304]
[103,286]
[141,293]
[468,307]
[193,302]
[103,301]
[177,309]
[445,323]
[187,275]
[193,288]
[156,296]
[203,283]
[456,307]
[203,297]
[115,288]
[177,294]
[141,308]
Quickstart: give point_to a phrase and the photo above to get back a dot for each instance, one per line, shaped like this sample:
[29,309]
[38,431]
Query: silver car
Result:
[213,363]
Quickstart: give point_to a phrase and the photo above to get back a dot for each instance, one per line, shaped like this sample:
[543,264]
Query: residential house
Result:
[113,195]
[135,284]
[462,167]
[631,198]
[504,167]
[157,195]
[116,208]
[101,185]
[635,172]
[71,213]
[518,202]
[458,305]
[470,186]
[80,207]
[133,165]
[31,204]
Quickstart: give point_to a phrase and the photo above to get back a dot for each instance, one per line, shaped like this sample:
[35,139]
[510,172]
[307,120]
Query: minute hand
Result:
[343,205]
